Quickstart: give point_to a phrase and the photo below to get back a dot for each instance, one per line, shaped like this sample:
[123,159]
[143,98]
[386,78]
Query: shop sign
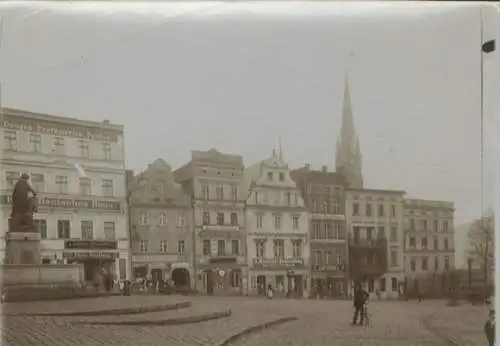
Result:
[278,262]
[91,255]
[58,129]
[90,244]
[70,203]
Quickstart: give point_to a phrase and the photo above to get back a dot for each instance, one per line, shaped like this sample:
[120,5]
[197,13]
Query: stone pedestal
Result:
[22,244]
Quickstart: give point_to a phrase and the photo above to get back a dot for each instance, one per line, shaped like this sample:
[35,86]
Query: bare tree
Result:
[482,242]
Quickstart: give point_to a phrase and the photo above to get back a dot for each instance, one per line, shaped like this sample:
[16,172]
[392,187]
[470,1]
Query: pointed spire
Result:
[274,148]
[280,150]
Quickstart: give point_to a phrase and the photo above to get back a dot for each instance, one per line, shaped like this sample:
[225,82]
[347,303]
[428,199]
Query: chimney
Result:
[324,169]
[308,166]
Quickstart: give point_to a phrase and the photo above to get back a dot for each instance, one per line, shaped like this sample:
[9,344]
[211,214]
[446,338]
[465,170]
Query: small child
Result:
[489,328]
[269,292]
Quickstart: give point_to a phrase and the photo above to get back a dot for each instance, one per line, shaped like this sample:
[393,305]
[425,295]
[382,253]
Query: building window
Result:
[413,265]
[35,142]
[143,246]
[257,197]
[446,263]
[107,187]
[234,193]
[204,192]
[63,230]
[382,285]
[207,247]
[436,263]
[282,176]
[413,243]
[355,209]
[259,218]
[234,219]
[436,243]
[109,230]
[368,209]
[84,149]
[394,284]
[163,246]
[84,186]
[337,233]
[219,192]
[163,219]
[336,207]
[235,278]
[10,140]
[62,184]
[220,218]
[181,247]
[381,211]
[259,248]
[424,242]
[295,221]
[106,151]
[181,221]
[316,230]
[381,232]
[328,231]
[297,248]
[221,247]
[369,233]
[58,146]
[436,226]
[424,225]
[143,219]
[317,258]
[279,248]
[38,182]
[277,221]
[412,224]
[445,226]
[425,264]
[446,245]
[206,218]
[235,245]
[41,227]
[11,179]
[269,175]
[87,230]
[394,258]
[394,234]
[393,211]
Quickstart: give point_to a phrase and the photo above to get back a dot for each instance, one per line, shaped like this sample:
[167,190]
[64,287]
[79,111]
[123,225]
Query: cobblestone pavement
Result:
[320,323]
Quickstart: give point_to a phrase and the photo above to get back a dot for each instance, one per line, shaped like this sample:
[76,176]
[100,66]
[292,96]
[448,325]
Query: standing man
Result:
[360,298]
[489,328]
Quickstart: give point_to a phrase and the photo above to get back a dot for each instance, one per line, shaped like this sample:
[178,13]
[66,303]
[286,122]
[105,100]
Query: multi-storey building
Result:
[277,230]
[323,193]
[77,169]
[212,180]
[374,220]
[160,226]
[429,239]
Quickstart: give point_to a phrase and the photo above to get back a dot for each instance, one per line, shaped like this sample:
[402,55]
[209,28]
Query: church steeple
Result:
[348,156]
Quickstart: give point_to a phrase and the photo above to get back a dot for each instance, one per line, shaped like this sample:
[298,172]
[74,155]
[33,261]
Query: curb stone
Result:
[235,337]
[166,322]
[121,311]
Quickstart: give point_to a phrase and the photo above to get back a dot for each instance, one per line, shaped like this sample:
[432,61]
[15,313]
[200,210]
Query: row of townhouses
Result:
[214,225]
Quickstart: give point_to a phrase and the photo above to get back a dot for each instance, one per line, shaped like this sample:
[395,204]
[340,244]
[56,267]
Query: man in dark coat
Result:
[360,297]
[489,328]
[21,204]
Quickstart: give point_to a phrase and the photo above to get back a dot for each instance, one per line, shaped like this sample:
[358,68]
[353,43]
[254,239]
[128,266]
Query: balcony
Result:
[278,262]
[225,227]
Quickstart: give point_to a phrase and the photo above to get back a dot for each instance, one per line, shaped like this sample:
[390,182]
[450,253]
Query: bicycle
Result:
[366,315]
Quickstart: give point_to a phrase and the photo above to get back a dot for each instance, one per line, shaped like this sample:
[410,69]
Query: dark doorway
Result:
[180,277]
[210,281]
[261,285]
[156,275]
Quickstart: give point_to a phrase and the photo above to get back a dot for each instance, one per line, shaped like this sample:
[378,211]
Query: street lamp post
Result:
[486,47]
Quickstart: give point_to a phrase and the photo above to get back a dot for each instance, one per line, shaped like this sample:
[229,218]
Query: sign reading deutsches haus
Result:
[54,128]
[69,203]
[90,244]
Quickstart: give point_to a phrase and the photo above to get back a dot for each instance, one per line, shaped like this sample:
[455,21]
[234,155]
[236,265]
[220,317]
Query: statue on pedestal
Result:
[23,206]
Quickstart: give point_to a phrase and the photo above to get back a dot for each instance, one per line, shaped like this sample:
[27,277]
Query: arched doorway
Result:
[180,277]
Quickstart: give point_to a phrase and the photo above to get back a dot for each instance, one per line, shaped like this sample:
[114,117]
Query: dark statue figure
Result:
[23,205]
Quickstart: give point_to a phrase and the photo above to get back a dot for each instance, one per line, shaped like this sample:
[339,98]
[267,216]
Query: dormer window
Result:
[282,176]
[270,176]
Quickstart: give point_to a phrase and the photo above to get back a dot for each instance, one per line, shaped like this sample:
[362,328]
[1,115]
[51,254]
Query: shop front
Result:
[162,267]
[287,277]
[97,257]
[222,276]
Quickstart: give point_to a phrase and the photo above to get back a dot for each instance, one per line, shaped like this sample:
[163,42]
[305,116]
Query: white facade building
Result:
[77,169]
[277,225]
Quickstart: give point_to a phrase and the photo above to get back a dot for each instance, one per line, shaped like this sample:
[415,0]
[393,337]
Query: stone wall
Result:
[41,275]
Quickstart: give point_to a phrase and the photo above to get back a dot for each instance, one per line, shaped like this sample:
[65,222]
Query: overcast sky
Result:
[238,76]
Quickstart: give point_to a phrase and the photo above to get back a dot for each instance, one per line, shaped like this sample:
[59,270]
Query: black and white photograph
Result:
[278,173]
